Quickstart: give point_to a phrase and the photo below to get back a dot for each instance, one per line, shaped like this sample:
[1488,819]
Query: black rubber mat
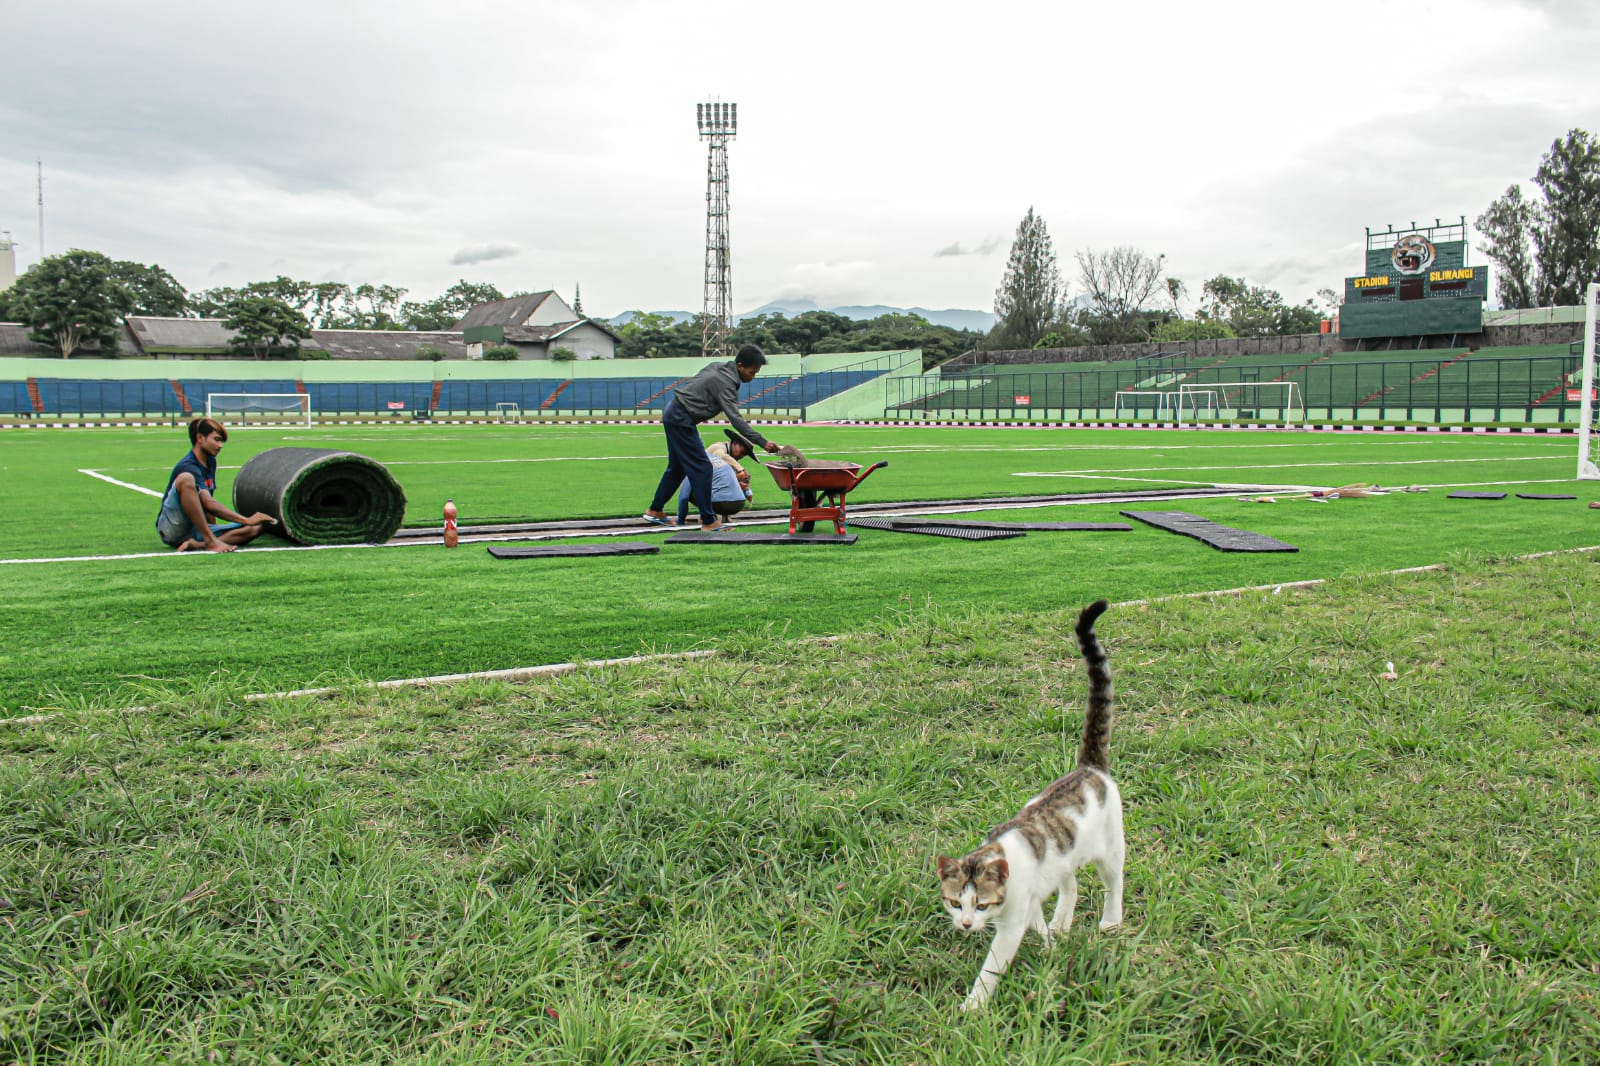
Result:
[1544,496]
[941,530]
[1477,496]
[626,547]
[910,524]
[1220,537]
[739,536]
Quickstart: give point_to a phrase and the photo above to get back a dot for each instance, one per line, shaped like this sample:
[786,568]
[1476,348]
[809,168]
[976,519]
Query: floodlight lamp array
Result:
[717,119]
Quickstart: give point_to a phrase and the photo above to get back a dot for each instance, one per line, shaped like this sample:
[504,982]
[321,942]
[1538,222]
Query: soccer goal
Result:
[1243,401]
[1587,468]
[1160,402]
[259,408]
[508,412]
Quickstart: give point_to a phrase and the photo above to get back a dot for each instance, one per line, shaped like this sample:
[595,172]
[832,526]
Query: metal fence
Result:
[1458,388]
[527,398]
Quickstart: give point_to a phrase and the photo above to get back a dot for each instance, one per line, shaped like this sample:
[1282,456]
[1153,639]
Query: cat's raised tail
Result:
[1094,752]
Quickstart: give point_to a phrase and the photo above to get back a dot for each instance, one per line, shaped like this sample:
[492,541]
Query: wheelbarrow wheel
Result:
[808,498]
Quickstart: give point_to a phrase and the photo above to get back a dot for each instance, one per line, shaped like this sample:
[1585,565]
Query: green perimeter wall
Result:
[863,401]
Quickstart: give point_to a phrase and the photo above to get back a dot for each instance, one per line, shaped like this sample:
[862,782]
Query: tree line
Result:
[82,298]
[1128,298]
[650,336]
[1547,249]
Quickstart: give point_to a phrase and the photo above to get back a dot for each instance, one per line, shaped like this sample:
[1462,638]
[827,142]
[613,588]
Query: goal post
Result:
[1163,406]
[260,408]
[1237,401]
[1587,468]
[508,412]
[1197,398]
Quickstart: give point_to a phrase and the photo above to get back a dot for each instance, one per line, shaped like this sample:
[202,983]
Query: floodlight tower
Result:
[718,124]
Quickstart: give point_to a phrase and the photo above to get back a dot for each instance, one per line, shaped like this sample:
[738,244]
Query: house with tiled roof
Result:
[535,324]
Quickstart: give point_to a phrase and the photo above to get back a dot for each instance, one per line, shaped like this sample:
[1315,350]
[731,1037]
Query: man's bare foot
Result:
[221,546]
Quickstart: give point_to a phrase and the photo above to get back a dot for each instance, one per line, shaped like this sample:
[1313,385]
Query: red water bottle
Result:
[451,537]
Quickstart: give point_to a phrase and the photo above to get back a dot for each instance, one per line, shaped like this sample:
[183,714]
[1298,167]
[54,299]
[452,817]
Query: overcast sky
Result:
[885,153]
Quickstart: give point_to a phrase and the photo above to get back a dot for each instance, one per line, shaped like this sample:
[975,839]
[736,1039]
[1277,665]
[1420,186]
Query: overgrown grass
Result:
[729,860]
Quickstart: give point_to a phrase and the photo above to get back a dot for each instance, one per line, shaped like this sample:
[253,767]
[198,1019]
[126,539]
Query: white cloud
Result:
[1240,137]
[484,253]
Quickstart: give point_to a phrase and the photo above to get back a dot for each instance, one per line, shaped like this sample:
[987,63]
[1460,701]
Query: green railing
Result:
[1446,387]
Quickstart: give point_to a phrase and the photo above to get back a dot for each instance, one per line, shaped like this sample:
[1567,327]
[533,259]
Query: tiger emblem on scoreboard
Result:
[1413,254]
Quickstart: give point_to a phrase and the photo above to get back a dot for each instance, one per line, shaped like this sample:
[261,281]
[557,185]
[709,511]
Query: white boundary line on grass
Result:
[120,484]
[520,673]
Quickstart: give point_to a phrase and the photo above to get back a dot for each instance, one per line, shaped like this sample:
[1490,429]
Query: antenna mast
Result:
[40,164]
[718,123]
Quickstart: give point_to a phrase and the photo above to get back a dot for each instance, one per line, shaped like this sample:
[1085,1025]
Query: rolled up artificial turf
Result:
[322,495]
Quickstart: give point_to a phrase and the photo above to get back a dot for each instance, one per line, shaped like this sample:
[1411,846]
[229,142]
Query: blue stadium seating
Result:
[368,397]
[803,391]
[195,390]
[79,396]
[14,398]
[481,396]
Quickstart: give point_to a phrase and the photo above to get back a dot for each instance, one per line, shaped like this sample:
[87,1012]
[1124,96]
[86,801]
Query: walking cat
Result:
[1035,855]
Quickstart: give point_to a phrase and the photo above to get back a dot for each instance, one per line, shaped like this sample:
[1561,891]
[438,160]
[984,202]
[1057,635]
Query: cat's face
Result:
[973,889]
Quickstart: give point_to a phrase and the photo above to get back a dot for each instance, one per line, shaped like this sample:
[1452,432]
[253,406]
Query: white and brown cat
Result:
[1037,854]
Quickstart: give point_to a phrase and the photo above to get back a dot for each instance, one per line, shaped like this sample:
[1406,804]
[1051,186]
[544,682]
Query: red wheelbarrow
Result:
[810,485]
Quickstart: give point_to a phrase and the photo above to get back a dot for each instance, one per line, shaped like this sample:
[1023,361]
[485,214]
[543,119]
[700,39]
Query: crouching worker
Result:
[729,492]
[189,503]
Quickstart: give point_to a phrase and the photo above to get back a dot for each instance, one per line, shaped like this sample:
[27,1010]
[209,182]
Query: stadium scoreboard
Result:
[1417,282]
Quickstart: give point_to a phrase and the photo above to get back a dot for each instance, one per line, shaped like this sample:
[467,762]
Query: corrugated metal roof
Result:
[512,311]
[14,341]
[384,344]
[166,334]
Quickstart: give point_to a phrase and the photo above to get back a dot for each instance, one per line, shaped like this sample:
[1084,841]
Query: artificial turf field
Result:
[96,608]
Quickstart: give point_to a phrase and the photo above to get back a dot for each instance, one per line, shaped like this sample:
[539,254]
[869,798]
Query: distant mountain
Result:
[628,316]
[954,318]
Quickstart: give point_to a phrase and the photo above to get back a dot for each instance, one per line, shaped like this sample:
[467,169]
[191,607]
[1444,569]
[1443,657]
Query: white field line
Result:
[1296,466]
[169,553]
[555,669]
[121,484]
[516,673]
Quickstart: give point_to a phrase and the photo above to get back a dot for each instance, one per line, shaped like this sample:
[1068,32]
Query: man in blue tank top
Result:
[189,502]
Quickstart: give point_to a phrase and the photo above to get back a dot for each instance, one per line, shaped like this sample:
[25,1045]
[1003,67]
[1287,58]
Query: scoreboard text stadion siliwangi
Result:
[1417,283]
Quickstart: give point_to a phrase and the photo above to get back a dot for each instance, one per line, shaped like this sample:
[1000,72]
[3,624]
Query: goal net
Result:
[259,408]
[1243,401]
[1159,402]
[508,412]
[1587,468]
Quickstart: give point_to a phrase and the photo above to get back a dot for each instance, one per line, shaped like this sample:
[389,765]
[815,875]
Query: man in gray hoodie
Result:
[713,391]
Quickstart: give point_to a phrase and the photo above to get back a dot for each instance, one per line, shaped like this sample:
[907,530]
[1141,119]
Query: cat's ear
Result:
[995,864]
[948,867]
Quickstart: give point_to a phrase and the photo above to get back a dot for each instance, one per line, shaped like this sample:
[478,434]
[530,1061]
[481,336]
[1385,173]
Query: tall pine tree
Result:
[1566,229]
[1029,298]
[1563,230]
